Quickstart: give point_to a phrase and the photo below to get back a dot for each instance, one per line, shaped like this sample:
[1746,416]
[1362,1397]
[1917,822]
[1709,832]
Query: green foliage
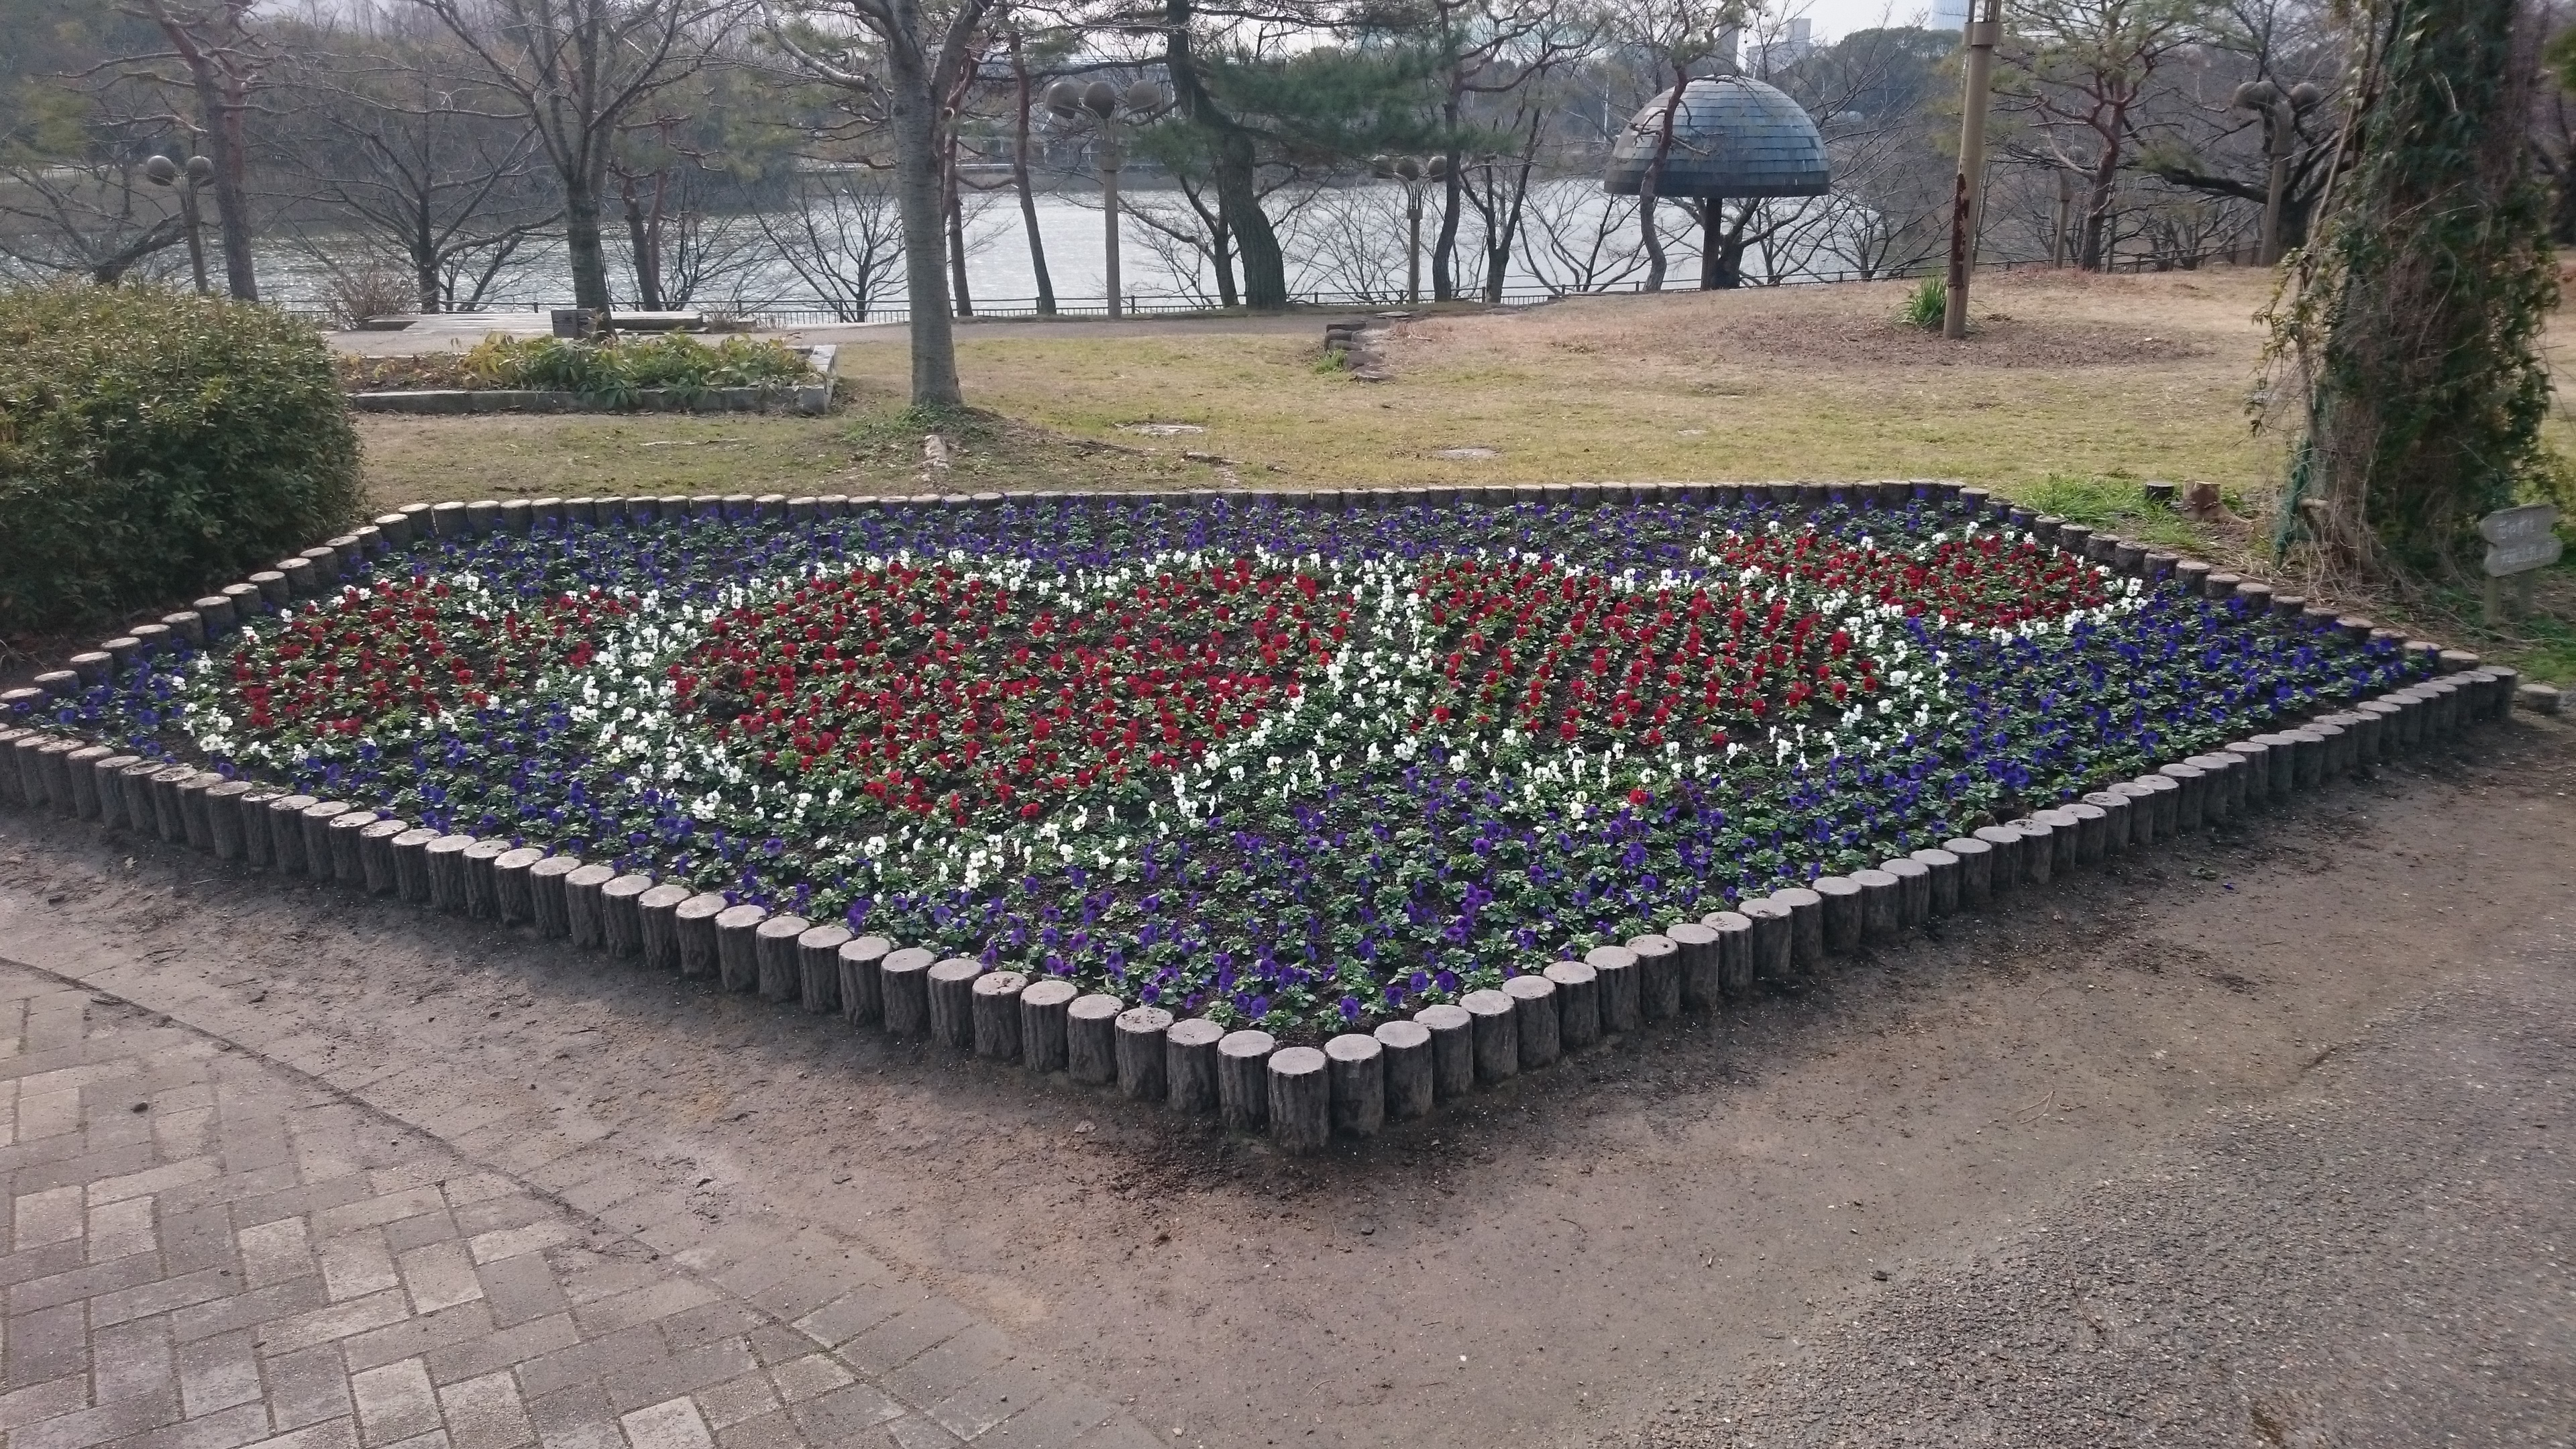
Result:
[153,444]
[1928,305]
[2109,502]
[613,370]
[2416,315]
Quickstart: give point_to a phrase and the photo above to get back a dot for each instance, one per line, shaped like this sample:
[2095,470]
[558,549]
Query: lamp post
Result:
[2280,111]
[162,171]
[1114,112]
[1415,173]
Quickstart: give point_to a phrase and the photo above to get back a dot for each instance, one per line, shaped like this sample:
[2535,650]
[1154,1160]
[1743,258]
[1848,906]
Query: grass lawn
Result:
[2073,390]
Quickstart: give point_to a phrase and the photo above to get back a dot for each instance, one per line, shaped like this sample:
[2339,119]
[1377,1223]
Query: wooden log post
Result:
[552,903]
[1880,904]
[737,945]
[1091,1039]
[2062,830]
[285,821]
[1806,927]
[1578,1004]
[1841,912]
[1734,952]
[2004,872]
[1622,1002]
[223,808]
[1534,1019]
[862,962]
[1912,893]
[1945,869]
[346,834]
[1772,953]
[1356,1069]
[517,893]
[818,968]
[1696,946]
[621,914]
[1301,1100]
[314,820]
[482,886]
[2038,849]
[1497,1034]
[1243,1079]
[81,768]
[995,1007]
[586,923]
[2164,797]
[1189,1064]
[1453,1048]
[1659,975]
[1140,1032]
[2115,821]
[1043,1016]
[2141,812]
[773,946]
[659,909]
[903,981]
[693,921]
[952,1001]
[376,855]
[447,872]
[1406,1051]
[411,864]
[2192,795]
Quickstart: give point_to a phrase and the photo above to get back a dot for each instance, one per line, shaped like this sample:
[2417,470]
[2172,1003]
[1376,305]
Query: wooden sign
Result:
[2520,539]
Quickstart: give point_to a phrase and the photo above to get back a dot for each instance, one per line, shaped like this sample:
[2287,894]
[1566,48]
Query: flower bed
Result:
[1298,769]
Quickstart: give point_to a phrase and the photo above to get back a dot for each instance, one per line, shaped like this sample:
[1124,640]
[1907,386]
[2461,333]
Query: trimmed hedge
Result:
[154,444]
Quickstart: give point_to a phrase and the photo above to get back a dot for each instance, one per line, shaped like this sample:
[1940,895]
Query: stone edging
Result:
[1302,1095]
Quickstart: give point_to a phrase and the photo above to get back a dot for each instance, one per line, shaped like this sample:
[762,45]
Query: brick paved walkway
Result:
[207,1249]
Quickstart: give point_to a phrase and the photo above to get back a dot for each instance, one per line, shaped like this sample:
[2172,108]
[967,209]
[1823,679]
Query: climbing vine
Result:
[2405,335]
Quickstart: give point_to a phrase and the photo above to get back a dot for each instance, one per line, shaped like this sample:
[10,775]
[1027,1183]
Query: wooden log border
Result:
[1253,1082]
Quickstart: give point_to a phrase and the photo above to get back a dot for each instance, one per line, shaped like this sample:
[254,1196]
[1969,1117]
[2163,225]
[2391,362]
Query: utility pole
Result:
[1982,38]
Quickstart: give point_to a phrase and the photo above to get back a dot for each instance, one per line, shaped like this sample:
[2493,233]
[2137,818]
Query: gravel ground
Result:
[2379,1258]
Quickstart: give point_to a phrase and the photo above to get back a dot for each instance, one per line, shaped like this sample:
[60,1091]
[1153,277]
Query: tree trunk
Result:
[223,102]
[583,252]
[952,200]
[914,122]
[2089,247]
[1647,184]
[1265,270]
[643,245]
[1020,183]
[1221,252]
[1444,248]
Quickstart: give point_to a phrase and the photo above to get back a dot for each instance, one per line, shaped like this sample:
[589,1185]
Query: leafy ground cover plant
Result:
[1265,765]
[611,370]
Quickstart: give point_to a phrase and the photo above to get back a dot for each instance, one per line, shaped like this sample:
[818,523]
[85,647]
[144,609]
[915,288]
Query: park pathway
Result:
[208,1248]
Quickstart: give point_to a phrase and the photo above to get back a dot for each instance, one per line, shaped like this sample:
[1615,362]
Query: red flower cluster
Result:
[1982,582]
[1566,653]
[351,665]
[940,693]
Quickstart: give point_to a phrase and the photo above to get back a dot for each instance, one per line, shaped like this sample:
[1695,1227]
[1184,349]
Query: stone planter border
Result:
[1300,1096]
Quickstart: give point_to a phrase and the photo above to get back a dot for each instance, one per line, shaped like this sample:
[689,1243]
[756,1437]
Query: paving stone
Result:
[671,1424]
[395,1402]
[262,1259]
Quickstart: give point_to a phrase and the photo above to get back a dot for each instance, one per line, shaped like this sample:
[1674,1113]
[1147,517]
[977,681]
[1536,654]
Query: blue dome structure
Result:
[1732,136]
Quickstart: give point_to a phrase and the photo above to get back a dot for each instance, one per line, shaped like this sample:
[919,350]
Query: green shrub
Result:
[154,444]
[615,369]
[1928,305]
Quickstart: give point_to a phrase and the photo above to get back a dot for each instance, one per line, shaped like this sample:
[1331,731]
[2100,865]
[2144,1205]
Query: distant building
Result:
[1949,15]
[1795,42]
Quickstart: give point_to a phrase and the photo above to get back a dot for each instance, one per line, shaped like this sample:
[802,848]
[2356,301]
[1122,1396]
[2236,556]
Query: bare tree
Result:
[2082,73]
[578,70]
[91,218]
[843,239]
[902,59]
[1683,38]
[384,131]
[223,63]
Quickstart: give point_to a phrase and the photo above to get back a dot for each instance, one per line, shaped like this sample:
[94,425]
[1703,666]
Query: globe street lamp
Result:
[1114,112]
[2280,111]
[162,171]
[1417,174]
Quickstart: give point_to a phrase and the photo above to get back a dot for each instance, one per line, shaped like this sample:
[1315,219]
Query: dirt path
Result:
[1653,1227]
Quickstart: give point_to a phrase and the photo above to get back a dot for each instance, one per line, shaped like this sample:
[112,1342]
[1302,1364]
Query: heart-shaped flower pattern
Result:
[945,692]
